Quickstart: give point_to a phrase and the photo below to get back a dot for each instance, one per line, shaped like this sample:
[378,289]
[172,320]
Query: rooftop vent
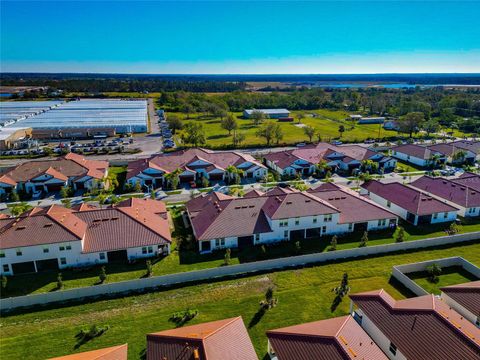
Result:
[21,227]
[289,202]
[48,225]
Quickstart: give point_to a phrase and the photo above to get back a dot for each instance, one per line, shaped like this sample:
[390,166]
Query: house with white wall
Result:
[56,237]
[192,165]
[409,203]
[221,221]
[453,154]
[423,327]
[466,199]
[417,155]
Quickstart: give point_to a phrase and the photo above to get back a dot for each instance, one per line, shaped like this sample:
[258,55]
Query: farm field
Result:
[186,258]
[326,121]
[303,295]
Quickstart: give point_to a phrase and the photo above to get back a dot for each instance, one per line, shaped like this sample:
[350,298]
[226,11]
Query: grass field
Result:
[450,276]
[327,122]
[303,295]
[188,259]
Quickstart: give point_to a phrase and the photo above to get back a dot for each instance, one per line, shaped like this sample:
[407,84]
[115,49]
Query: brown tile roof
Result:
[466,295]
[446,149]
[408,198]
[337,338]
[421,328]
[353,207]
[421,152]
[111,353]
[473,146]
[448,190]
[216,340]
[70,166]
[135,223]
[253,193]
[469,179]
[180,159]
[39,226]
[4,179]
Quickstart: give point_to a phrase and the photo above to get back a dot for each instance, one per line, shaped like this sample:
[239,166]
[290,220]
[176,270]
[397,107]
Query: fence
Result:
[124,287]
[400,272]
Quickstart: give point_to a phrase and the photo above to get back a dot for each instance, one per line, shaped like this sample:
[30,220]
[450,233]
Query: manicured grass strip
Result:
[453,275]
[303,295]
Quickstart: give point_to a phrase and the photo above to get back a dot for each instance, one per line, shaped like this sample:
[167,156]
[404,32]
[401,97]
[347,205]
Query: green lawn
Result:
[303,295]
[327,122]
[450,276]
[185,257]
[407,167]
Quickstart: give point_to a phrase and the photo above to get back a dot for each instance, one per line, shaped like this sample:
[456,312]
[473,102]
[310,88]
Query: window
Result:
[45,250]
[150,249]
[328,218]
[6,268]
[63,261]
[2,254]
[144,250]
[102,256]
[68,247]
[61,248]
[219,242]
[257,237]
[393,348]
[350,227]
[19,252]
[297,221]
[445,215]
[284,223]
[389,203]
[315,219]
[324,229]
[382,222]
[435,216]
[285,234]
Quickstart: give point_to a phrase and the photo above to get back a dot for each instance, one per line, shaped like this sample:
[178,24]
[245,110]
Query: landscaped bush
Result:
[434,271]
[87,334]
[182,317]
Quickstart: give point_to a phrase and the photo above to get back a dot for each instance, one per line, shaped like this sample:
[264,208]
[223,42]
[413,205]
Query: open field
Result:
[449,276]
[184,257]
[303,294]
[327,122]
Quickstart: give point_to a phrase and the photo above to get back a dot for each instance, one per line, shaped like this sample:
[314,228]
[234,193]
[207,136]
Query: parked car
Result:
[337,142]
[369,141]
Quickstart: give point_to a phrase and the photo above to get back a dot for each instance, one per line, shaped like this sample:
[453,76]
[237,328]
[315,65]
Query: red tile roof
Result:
[216,340]
[449,190]
[353,207]
[135,223]
[466,295]
[408,198]
[111,353]
[421,152]
[69,166]
[337,338]
[421,328]
[4,179]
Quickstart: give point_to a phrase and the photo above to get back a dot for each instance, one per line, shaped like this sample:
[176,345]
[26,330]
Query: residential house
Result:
[332,339]
[56,237]
[417,155]
[412,205]
[420,328]
[215,340]
[119,352]
[466,199]
[472,146]
[453,154]
[371,120]
[464,299]
[222,221]
[51,175]
[345,159]
[193,164]
[471,180]
[269,113]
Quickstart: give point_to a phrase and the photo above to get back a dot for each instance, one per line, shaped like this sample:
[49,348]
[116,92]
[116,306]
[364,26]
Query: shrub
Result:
[181,317]
[343,289]
[434,272]
[14,196]
[333,243]
[4,282]
[364,239]
[399,234]
[298,247]
[87,334]
[149,266]
[59,281]
[103,275]
[226,260]
[270,301]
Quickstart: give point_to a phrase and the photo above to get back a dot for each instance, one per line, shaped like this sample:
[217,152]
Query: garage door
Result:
[48,264]
[215,176]
[186,179]
[245,241]
[117,256]
[54,187]
[297,234]
[360,227]
[314,233]
[23,268]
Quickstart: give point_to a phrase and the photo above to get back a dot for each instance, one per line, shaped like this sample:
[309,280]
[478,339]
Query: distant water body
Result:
[386,86]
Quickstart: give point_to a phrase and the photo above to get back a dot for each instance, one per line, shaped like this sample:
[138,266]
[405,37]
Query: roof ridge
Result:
[123,211]
[63,225]
[222,327]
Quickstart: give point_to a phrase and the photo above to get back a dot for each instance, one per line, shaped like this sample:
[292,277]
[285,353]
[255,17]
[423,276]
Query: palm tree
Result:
[230,172]
[321,167]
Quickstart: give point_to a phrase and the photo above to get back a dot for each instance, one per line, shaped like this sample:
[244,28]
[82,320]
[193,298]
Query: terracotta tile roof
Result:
[70,166]
[54,173]
[180,159]
[466,295]
[473,146]
[353,207]
[111,353]
[421,328]
[408,198]
[314,153]
[216,340]
[39,226]
[5,179]
[84,207]
[337,338]
[421,152]
[140,222]
[448,190]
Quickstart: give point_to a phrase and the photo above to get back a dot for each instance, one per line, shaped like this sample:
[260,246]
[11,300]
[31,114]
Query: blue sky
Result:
[240,37]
